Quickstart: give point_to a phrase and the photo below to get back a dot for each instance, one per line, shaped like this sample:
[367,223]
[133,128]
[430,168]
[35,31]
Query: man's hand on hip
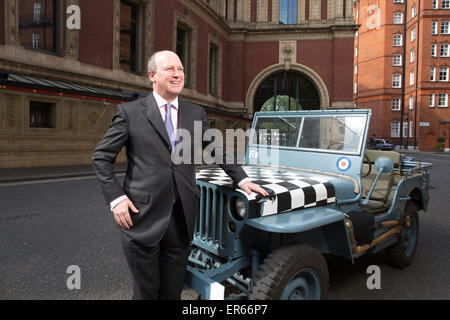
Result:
[122,215]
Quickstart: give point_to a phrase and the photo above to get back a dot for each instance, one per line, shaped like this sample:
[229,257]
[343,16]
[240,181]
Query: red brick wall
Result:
[318,55]
[96,33]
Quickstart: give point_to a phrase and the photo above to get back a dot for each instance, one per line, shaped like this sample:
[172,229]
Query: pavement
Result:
[11,175]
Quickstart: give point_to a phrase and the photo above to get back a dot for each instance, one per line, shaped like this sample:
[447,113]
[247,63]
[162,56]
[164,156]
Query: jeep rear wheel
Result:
[401,254]
[297,272]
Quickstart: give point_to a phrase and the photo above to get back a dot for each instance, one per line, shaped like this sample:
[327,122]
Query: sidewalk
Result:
[46,173]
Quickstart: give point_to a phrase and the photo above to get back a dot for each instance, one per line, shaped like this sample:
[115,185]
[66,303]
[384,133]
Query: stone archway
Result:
[299,68]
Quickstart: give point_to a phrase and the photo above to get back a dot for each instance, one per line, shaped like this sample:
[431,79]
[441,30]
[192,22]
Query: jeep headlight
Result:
[239,208]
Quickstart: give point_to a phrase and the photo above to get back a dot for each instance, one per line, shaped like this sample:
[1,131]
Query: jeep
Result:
[328,196]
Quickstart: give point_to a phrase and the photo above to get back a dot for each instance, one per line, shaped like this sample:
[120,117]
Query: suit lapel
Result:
[153,115]
[183,121]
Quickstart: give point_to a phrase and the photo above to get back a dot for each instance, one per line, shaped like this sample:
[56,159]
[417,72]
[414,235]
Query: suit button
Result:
[171,190]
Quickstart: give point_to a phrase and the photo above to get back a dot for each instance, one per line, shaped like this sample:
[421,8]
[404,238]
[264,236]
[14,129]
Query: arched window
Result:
[284,91]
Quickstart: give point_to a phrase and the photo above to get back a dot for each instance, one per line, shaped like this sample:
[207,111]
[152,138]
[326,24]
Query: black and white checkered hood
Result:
[292,190]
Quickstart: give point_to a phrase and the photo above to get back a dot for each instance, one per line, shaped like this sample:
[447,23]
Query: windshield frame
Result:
[308,114]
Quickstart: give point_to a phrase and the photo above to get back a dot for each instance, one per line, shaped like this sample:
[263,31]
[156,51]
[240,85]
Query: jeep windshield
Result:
[331,133]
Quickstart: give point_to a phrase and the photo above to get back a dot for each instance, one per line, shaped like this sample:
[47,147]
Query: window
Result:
[213,69]
[405,128]
[413,11]
[398,1]
[433,50]
[356,88]
[443,74]
[412,56]
[356,69]
[398,18]
[183,50]
[410,128]
[397,40]
[395,104]
[434,27]
[431,104]
[433,74]
[35,40]
[42,114]
[397,60]
[445,27]
[39,24]
[37,12]
[288,12]
[435,4]
[128,36]
[395,129]
[444,52]
[396,81]
[411,102]
[413,34]
[411,78]
[445,4]
[443,100]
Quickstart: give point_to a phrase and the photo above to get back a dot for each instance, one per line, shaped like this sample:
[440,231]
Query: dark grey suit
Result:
[151,177]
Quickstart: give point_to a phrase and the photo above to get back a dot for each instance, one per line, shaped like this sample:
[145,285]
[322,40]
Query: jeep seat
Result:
[380,196]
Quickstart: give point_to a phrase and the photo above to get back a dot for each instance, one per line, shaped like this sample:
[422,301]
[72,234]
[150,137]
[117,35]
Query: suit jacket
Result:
[152,177]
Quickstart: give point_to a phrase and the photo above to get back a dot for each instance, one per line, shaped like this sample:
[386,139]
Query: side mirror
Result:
[384,165]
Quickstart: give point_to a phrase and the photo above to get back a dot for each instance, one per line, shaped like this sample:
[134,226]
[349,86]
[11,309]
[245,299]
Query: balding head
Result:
[165,71]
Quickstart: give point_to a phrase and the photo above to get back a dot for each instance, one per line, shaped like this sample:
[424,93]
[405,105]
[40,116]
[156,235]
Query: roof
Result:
[13,80]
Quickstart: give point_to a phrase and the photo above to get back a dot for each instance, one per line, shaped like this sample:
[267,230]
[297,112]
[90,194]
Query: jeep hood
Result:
[289,189]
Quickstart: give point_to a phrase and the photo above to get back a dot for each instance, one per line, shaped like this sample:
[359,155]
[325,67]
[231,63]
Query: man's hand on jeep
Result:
[248,187]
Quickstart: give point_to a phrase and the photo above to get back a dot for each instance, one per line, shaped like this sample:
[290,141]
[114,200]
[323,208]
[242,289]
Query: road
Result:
[47,226]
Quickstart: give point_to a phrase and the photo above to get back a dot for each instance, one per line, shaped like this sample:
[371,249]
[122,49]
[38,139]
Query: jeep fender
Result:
[322,227]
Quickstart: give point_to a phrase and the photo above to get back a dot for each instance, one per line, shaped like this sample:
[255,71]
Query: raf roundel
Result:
[343,164]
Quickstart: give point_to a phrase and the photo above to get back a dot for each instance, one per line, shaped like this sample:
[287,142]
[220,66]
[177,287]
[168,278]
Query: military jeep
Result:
[328,196]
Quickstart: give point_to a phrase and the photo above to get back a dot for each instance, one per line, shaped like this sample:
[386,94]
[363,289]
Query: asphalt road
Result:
[47,226]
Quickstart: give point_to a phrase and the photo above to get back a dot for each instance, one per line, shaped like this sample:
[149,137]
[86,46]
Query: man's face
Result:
[168,80]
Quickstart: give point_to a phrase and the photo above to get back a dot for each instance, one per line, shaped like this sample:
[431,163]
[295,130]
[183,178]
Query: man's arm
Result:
[106,152]
[103,160]
[235,171]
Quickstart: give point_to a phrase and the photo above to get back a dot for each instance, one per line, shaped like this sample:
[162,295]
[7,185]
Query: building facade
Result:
[60,84]
[402,70]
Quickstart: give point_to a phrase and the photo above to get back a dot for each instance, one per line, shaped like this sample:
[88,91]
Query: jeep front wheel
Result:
[297,272]
[401,254]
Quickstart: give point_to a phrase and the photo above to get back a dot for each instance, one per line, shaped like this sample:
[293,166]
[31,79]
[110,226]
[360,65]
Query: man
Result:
[157,206]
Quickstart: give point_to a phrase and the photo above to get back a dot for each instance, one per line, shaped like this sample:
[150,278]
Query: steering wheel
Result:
[366,158]
[336,145]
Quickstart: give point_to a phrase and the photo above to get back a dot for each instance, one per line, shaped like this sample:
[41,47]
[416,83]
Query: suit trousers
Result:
[158,272]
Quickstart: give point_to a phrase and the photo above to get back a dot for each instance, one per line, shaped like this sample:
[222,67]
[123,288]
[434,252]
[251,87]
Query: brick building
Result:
[59,86]
[402,70]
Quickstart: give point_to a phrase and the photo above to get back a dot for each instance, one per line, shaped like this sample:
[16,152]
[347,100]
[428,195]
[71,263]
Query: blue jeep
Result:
[328,196]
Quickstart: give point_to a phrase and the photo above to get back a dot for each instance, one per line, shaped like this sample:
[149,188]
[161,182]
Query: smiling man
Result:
[157,205]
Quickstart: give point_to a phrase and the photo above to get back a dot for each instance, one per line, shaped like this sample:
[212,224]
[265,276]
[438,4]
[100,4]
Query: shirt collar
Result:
[161,102]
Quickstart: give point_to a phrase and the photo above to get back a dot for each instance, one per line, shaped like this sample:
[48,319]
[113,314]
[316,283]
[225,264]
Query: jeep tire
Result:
[296,272]
[401,254]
